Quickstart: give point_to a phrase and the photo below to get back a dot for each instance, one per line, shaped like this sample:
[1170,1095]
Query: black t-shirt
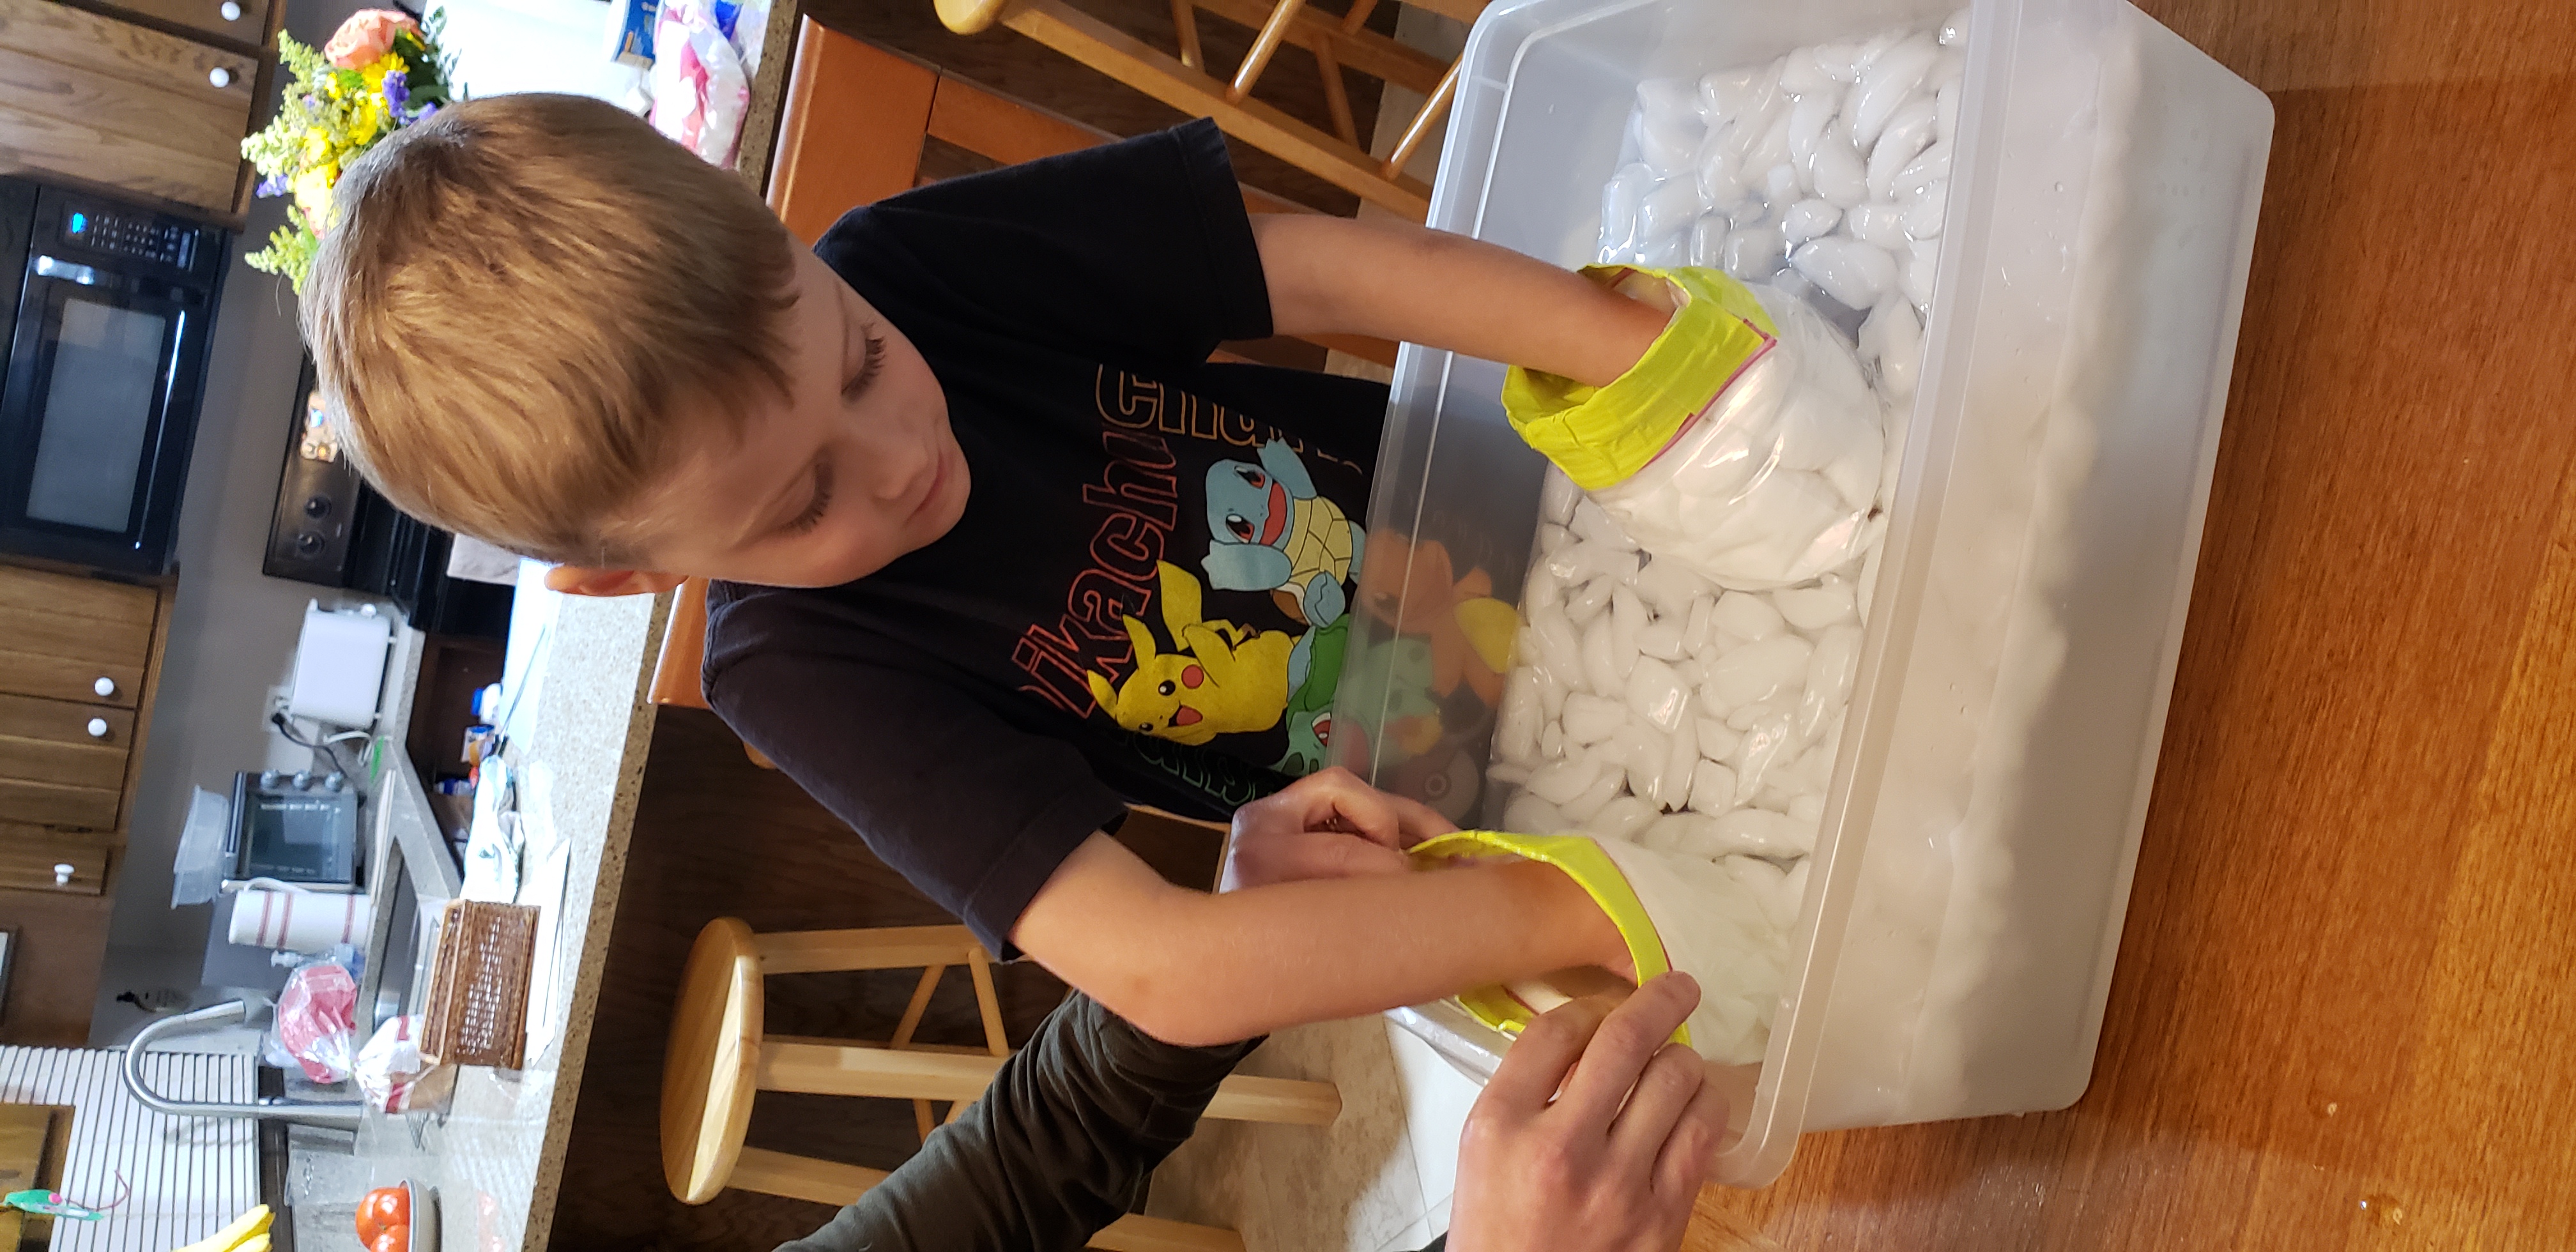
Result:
[1147,597]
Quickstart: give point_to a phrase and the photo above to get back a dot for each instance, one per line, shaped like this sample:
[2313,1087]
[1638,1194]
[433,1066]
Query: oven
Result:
[106,325]
[331,529]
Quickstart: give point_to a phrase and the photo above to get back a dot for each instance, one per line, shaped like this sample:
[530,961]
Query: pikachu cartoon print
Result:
[1218,677]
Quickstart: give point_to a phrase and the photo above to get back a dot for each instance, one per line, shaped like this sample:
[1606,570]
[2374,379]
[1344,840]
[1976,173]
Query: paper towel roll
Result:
[302,921]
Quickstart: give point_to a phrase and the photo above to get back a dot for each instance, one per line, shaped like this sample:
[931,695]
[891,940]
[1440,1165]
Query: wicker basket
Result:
[478,992]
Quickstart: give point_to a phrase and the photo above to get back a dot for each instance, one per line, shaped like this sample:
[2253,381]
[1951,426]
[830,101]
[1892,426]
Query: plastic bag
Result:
[1777,480]
[699,90]
[392,1074]
[317,1022]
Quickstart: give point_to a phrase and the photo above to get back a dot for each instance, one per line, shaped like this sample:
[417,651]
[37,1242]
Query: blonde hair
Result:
[515,303]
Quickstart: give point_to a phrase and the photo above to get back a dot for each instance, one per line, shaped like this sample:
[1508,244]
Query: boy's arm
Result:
[1197,969]
[1397,280]
[1056,1148]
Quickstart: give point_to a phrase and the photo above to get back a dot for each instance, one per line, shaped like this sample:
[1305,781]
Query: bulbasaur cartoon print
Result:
[1219,678]
[1268,530]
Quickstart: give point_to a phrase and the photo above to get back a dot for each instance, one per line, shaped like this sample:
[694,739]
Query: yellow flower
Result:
[317,146]
[312,190]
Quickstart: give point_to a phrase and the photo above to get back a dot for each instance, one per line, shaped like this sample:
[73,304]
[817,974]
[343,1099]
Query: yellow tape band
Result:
[1601,435]
[1591,869]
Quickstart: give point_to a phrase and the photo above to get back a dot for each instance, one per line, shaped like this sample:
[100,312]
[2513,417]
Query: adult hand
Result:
[1328,824]
[1604,1160]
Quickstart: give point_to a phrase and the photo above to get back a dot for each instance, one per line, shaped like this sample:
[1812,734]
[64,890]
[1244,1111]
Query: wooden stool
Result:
[1337,41]
[719,1057]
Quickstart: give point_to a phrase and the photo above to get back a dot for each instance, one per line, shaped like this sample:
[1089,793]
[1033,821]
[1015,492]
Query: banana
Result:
[235,1236]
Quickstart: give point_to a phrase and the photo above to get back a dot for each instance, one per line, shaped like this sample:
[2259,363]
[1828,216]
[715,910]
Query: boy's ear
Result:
[582,580]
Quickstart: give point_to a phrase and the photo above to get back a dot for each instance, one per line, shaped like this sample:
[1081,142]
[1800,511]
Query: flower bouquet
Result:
[379,73]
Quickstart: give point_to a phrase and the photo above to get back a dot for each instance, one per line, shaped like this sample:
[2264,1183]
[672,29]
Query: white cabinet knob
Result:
[220,76]
[105,686]
[97,728]
[62,874]
[231,11]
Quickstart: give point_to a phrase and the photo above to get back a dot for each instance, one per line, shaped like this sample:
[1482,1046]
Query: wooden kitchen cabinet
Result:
[237,21]
[115,103]
[77,661]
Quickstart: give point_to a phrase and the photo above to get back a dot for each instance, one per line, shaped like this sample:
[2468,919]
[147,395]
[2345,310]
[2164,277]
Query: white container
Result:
[340,665]
[1965,900]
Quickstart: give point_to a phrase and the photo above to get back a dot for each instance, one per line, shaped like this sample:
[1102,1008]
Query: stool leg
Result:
[980,968]
[1139,1233]
[912,1012]
[801,1177]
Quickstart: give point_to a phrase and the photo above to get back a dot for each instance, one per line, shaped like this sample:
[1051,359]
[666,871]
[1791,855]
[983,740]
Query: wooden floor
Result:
[2343,1008]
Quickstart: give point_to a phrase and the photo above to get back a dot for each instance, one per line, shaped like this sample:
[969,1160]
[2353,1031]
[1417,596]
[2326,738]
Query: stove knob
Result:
[303,780]
[318,506]
[307,543]
[269,777]
[334,781]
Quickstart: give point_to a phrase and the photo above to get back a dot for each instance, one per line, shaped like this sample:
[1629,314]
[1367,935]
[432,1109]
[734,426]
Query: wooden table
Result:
[2343,1005]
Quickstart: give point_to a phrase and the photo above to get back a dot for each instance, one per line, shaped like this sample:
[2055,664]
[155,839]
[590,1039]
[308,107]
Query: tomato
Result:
[396,1239]
[385,1210]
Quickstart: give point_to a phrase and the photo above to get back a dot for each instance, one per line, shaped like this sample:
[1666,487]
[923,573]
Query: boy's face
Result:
[855,468]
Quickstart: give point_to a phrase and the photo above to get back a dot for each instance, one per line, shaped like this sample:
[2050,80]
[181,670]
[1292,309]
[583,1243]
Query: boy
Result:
[997,550]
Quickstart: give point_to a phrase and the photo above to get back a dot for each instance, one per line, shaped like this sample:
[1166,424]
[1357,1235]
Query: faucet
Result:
[328,1114]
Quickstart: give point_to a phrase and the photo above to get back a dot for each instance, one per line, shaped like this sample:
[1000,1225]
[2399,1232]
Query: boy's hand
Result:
[1604,1155]
[1326,825]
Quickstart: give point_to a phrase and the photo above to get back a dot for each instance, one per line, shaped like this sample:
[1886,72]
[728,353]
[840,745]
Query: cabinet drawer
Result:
[52,804]
[116,683]
[112,102]
[44,591]
[59,637]
[55,741]
[33,858]
[242,21]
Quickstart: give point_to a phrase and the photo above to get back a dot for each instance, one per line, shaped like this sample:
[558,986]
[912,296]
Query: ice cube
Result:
[1813,608]
[1656,694]
[1623,818]
[1589,719]
[1758,671]
[1808,219]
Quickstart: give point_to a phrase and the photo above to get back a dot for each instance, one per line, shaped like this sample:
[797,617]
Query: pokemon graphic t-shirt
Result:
[1148,596]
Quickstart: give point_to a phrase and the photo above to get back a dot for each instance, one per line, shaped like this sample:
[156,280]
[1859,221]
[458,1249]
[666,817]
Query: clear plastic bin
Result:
[1966,896]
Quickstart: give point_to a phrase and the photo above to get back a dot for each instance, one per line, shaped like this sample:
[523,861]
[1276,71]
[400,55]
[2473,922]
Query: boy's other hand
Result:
[1594,1135]
[1328,824]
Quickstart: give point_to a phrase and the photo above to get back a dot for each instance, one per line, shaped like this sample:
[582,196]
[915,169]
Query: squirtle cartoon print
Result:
[1219,678]
[1269,530]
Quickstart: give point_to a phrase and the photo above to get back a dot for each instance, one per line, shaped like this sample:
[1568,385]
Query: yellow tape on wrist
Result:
[1601,435]
[1580,859]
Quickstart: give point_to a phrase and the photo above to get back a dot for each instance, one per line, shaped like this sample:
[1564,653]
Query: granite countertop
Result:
[577,742]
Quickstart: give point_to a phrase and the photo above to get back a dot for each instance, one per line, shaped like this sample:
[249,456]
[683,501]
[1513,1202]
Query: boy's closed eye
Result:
[820,504]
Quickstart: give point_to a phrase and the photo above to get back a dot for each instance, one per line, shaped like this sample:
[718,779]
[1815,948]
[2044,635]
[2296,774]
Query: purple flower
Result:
[397,90]
[273,185]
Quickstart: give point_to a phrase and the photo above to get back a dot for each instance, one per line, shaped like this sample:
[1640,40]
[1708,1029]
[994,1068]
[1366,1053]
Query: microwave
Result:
[106,309]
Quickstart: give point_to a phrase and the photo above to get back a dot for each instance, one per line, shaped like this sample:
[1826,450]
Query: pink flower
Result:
[368,34]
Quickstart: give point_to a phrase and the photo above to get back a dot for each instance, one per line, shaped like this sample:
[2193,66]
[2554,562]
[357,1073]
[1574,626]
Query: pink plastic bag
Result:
[317,1021]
